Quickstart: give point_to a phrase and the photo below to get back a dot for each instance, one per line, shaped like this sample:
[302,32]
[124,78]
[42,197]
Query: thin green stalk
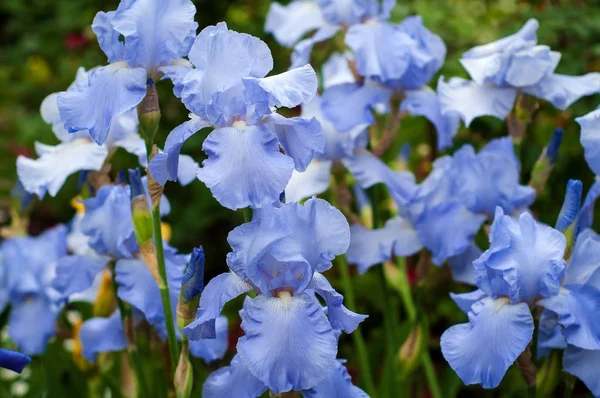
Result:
[164,287]
[247,214]
[357,337]
[569,385]
[434,387]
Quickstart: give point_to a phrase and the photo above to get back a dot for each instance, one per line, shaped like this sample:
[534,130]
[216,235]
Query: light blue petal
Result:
[584,264]
[337,385]
[425,102]
[165,166]
[289,23]
[562,91]
[571,205]
[527,34]
[288,89]
[467,346]
[176,72]
[244,167]
[371,247]
[340,317]
[110,91]
[576,306]
[13,360]
[550,334]
[590,139]
[99,335]
[465,301]
[381,51]
[212,349]
[586,214]
[462,267]
[50,170]
[530,65]
[234,380]
[108,223]
[348,12]
[289,344]
[370,170]
[349,105]
[584,365]
[187,169]
[313,181]
[471,100]
[524,261]
[76,273]
[32,323]
[302,50]
[216,294]
[108,37]
[155,31]
[336,71]
[446,242]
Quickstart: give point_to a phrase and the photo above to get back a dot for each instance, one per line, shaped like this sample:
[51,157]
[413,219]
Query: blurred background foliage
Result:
[42,43]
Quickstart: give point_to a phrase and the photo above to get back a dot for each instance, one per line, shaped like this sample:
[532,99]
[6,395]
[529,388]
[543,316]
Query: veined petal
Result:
[289,23]
[76,273]
[562,91]
[584,365]
[234,380]
[467,346]
[371,247]
[289,344]
[49,172]
[244,167]
[370,170]
[99,335]
[300,138]
[471,100]
[156,32]
[576,308]
[288,89]
[216,294]
[212,349]
[465,301]
[13,360]
[165,166]
[110,91]
[590,139]
[340,317]
[313,181]
[31,323]
[337,385]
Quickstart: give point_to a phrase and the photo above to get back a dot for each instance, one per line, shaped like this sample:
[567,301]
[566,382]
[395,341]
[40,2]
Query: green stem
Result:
[164,287]
[357,337]
[247,214]
[427,364]
[569,385]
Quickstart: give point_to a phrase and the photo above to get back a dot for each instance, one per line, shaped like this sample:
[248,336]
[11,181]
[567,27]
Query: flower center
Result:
[240,125]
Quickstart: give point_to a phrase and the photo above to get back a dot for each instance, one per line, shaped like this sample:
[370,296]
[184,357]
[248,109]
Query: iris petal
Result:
[99,335]
[234,380]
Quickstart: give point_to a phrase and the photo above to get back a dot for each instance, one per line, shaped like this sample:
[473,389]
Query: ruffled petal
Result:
[584,365]
[13,360]
[156,32]
[562,91]
[576,308]
[49,172]
[313,181]
[289,23]
[32,323]
[300,138]
[467,346]
[244,167]
[289,344]
[465,301]
[471,100]
[234,380]
[340,317]
[110,91]
[165,166]
[108,37]
[76,273]
[176,72]
[462,267]
[349,105]
[371,247]
[425,102]
[590,139]
[337,385]
[212,349]
[99,335]
[370,170]
[216,294]
[584,263]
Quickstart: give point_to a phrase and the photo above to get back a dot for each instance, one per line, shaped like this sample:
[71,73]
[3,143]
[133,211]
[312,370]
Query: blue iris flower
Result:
[524,267]
[511,65]
[463,191]
[227,90]
[13,360]
[139,38]
[289,342]
[590,139]
[27,268]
